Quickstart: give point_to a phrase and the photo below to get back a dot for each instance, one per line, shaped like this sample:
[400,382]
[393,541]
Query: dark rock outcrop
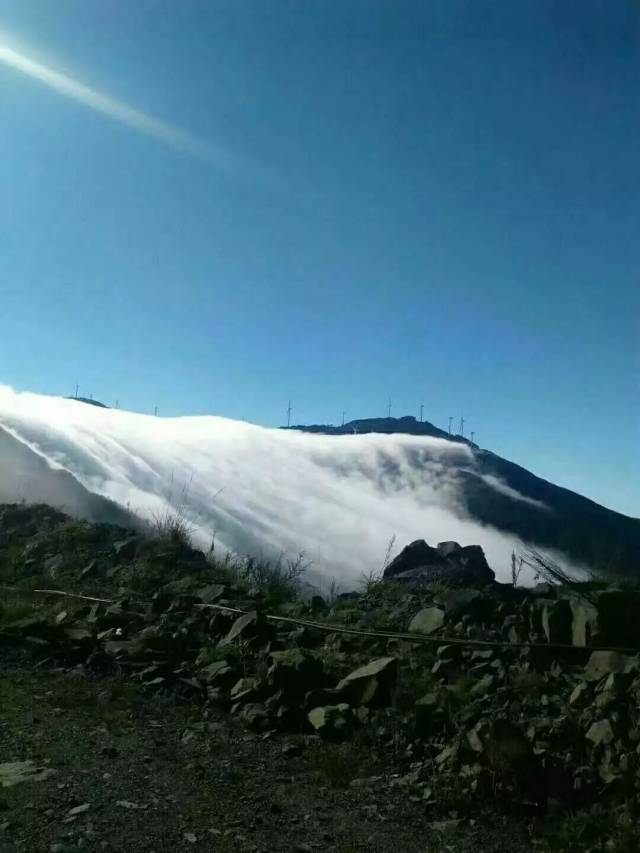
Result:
[419,564]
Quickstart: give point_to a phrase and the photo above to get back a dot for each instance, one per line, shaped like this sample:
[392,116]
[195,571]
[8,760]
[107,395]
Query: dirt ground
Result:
[134,773]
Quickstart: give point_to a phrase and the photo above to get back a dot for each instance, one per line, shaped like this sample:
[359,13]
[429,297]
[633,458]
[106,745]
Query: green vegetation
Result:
[276,583]
[172,529]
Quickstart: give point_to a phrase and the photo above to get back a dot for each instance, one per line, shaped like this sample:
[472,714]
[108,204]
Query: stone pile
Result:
[509,699]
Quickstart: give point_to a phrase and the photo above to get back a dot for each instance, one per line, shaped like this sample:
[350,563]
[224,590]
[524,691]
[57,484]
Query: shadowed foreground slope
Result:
[194,701]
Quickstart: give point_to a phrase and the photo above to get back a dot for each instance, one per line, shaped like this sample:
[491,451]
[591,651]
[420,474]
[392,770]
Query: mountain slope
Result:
[508,497]
[25,476]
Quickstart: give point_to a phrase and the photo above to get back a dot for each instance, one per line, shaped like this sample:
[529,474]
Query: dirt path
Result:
[134,774]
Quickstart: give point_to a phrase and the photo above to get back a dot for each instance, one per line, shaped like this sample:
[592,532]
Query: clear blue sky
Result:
[433,201]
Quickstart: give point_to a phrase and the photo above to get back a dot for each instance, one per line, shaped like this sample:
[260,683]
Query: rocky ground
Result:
[161,718]
[133,774]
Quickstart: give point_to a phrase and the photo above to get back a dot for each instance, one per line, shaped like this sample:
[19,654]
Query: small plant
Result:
[553,573]
[333,661]
[173,529]
[371,582]
[332,592]
[387,557]
[516,568]
[278,583]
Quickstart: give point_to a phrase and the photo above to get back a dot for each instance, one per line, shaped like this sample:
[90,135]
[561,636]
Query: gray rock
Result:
[557,620]
[53,565]
[601,664]
[457,602]
[427,621]
[244,627]
[446,549]
[419,564]
[413,556]
[370,684]
[584,626]
[244,690]
[76,810]
[255,717]
[294,671]
[333,722]
[600,733]
[218,674]
[16,772]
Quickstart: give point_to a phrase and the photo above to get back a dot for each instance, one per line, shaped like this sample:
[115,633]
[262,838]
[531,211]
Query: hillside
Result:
[536,510]
[169,702]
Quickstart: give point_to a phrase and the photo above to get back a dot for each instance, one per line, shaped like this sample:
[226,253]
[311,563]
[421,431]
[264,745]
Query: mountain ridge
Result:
[537,510]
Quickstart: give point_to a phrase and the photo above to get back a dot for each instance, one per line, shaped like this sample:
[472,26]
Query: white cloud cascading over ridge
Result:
[339,499]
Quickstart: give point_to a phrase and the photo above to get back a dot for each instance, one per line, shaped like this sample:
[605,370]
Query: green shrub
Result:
[277,583]
[172,529]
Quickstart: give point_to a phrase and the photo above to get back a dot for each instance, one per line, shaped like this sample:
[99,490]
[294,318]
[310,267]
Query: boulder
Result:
[53,565]
[584,622]
[414,556]
[419,564]
[609,617]
[218,674]
[483,686]
[332,722]
[212,593]
[16,772]
[244,690]
[458,602]
[603,663]
[245,627]
[600,733]
[580,694]
[370,684]
[255,717]
[295,671]
[478,735]
[446,549]
[427,621]
[557,620]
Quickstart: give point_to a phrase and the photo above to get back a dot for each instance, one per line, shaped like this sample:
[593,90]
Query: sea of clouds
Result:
[338,499]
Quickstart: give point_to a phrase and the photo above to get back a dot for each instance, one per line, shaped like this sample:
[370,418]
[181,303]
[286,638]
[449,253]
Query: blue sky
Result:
[436,202]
